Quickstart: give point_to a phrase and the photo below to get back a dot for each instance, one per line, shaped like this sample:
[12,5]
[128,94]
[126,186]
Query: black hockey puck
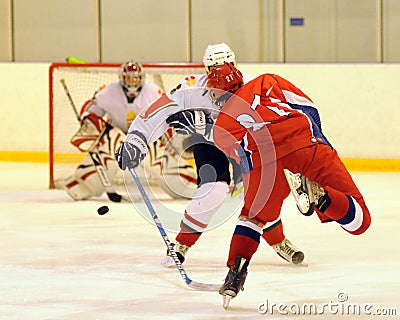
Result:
[102,210]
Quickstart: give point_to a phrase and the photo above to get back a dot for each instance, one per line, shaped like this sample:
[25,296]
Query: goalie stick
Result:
[93,152]
[191,284]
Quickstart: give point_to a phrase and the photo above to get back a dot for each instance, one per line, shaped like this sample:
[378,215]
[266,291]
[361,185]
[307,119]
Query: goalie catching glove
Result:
[132,151]
[191,121]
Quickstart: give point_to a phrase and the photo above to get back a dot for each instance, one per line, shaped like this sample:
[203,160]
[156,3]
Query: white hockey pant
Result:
[205,203]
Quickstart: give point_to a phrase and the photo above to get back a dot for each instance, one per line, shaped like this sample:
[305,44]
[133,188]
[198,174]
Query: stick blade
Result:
[209,287]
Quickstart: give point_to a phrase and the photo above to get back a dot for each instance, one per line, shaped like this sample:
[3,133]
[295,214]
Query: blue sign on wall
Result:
[297,21]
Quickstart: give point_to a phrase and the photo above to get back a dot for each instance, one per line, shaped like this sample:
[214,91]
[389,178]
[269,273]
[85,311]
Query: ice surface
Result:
[60,260]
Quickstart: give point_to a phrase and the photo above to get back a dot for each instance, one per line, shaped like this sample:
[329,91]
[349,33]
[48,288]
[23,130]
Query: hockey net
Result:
[82,80]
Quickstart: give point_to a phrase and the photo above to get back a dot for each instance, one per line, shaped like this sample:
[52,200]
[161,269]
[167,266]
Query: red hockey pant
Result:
[266,187]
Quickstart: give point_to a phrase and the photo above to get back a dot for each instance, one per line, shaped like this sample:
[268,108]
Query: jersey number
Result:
[256,103]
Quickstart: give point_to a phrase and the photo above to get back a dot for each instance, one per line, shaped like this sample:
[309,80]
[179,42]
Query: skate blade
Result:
[227,296]
[226,300]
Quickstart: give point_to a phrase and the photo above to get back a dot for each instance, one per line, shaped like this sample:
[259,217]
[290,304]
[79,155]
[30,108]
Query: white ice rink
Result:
[60,260]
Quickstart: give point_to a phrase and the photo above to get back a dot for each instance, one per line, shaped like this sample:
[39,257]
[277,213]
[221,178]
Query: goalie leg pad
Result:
[170,167]
[85,182]
[75,188]
[87,175]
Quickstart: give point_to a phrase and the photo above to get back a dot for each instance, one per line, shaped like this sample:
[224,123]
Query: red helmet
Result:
[222,81]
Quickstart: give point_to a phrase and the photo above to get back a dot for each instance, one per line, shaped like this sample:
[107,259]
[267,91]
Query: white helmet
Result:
[218,54]
[131,77]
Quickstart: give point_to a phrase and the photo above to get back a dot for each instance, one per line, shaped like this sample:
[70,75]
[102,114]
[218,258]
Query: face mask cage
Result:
[132,82]
[131,77]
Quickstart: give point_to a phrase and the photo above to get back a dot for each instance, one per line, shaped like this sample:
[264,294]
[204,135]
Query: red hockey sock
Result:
[338,206]
[187,237]
[353,216]
[364,226]
[244,244]
[274,233]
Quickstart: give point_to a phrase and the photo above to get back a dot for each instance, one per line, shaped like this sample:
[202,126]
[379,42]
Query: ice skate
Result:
[286,250]
[305,191]
[180,250]
[234,281]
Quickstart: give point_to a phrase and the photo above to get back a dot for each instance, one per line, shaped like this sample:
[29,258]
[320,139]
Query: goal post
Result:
[82,81]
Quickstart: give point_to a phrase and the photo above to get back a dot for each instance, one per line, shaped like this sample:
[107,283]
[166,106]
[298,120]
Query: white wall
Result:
[180,30]
[24,106]
[359,104]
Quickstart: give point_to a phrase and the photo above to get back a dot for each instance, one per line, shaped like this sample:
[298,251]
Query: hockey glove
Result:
[191,121]
[132,151]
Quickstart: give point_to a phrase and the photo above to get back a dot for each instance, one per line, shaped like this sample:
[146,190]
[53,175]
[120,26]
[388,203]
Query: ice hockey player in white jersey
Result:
[184,108]
[116,103]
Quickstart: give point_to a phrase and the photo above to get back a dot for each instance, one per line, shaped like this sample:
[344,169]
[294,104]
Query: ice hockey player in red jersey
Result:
[183,108]
[274,130]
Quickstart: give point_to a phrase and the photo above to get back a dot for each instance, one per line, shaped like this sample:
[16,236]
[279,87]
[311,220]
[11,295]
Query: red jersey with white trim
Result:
[267,118]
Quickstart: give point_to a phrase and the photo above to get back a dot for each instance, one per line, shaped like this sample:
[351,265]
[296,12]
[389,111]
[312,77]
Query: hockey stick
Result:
[99,166]
[94,154]
[71,101]
[192,284]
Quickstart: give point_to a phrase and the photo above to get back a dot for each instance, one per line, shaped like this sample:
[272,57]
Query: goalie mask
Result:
[218,54]
[131,77]
[222,82]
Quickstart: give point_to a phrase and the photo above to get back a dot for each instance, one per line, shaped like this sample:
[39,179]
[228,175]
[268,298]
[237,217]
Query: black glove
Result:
[132,151]
[190,121]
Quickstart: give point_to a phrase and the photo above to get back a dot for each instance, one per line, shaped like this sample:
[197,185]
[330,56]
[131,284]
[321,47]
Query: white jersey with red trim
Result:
[110,100]
[189,94]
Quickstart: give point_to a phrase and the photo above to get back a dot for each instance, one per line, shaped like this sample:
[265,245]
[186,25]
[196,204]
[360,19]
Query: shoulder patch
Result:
[190,81]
